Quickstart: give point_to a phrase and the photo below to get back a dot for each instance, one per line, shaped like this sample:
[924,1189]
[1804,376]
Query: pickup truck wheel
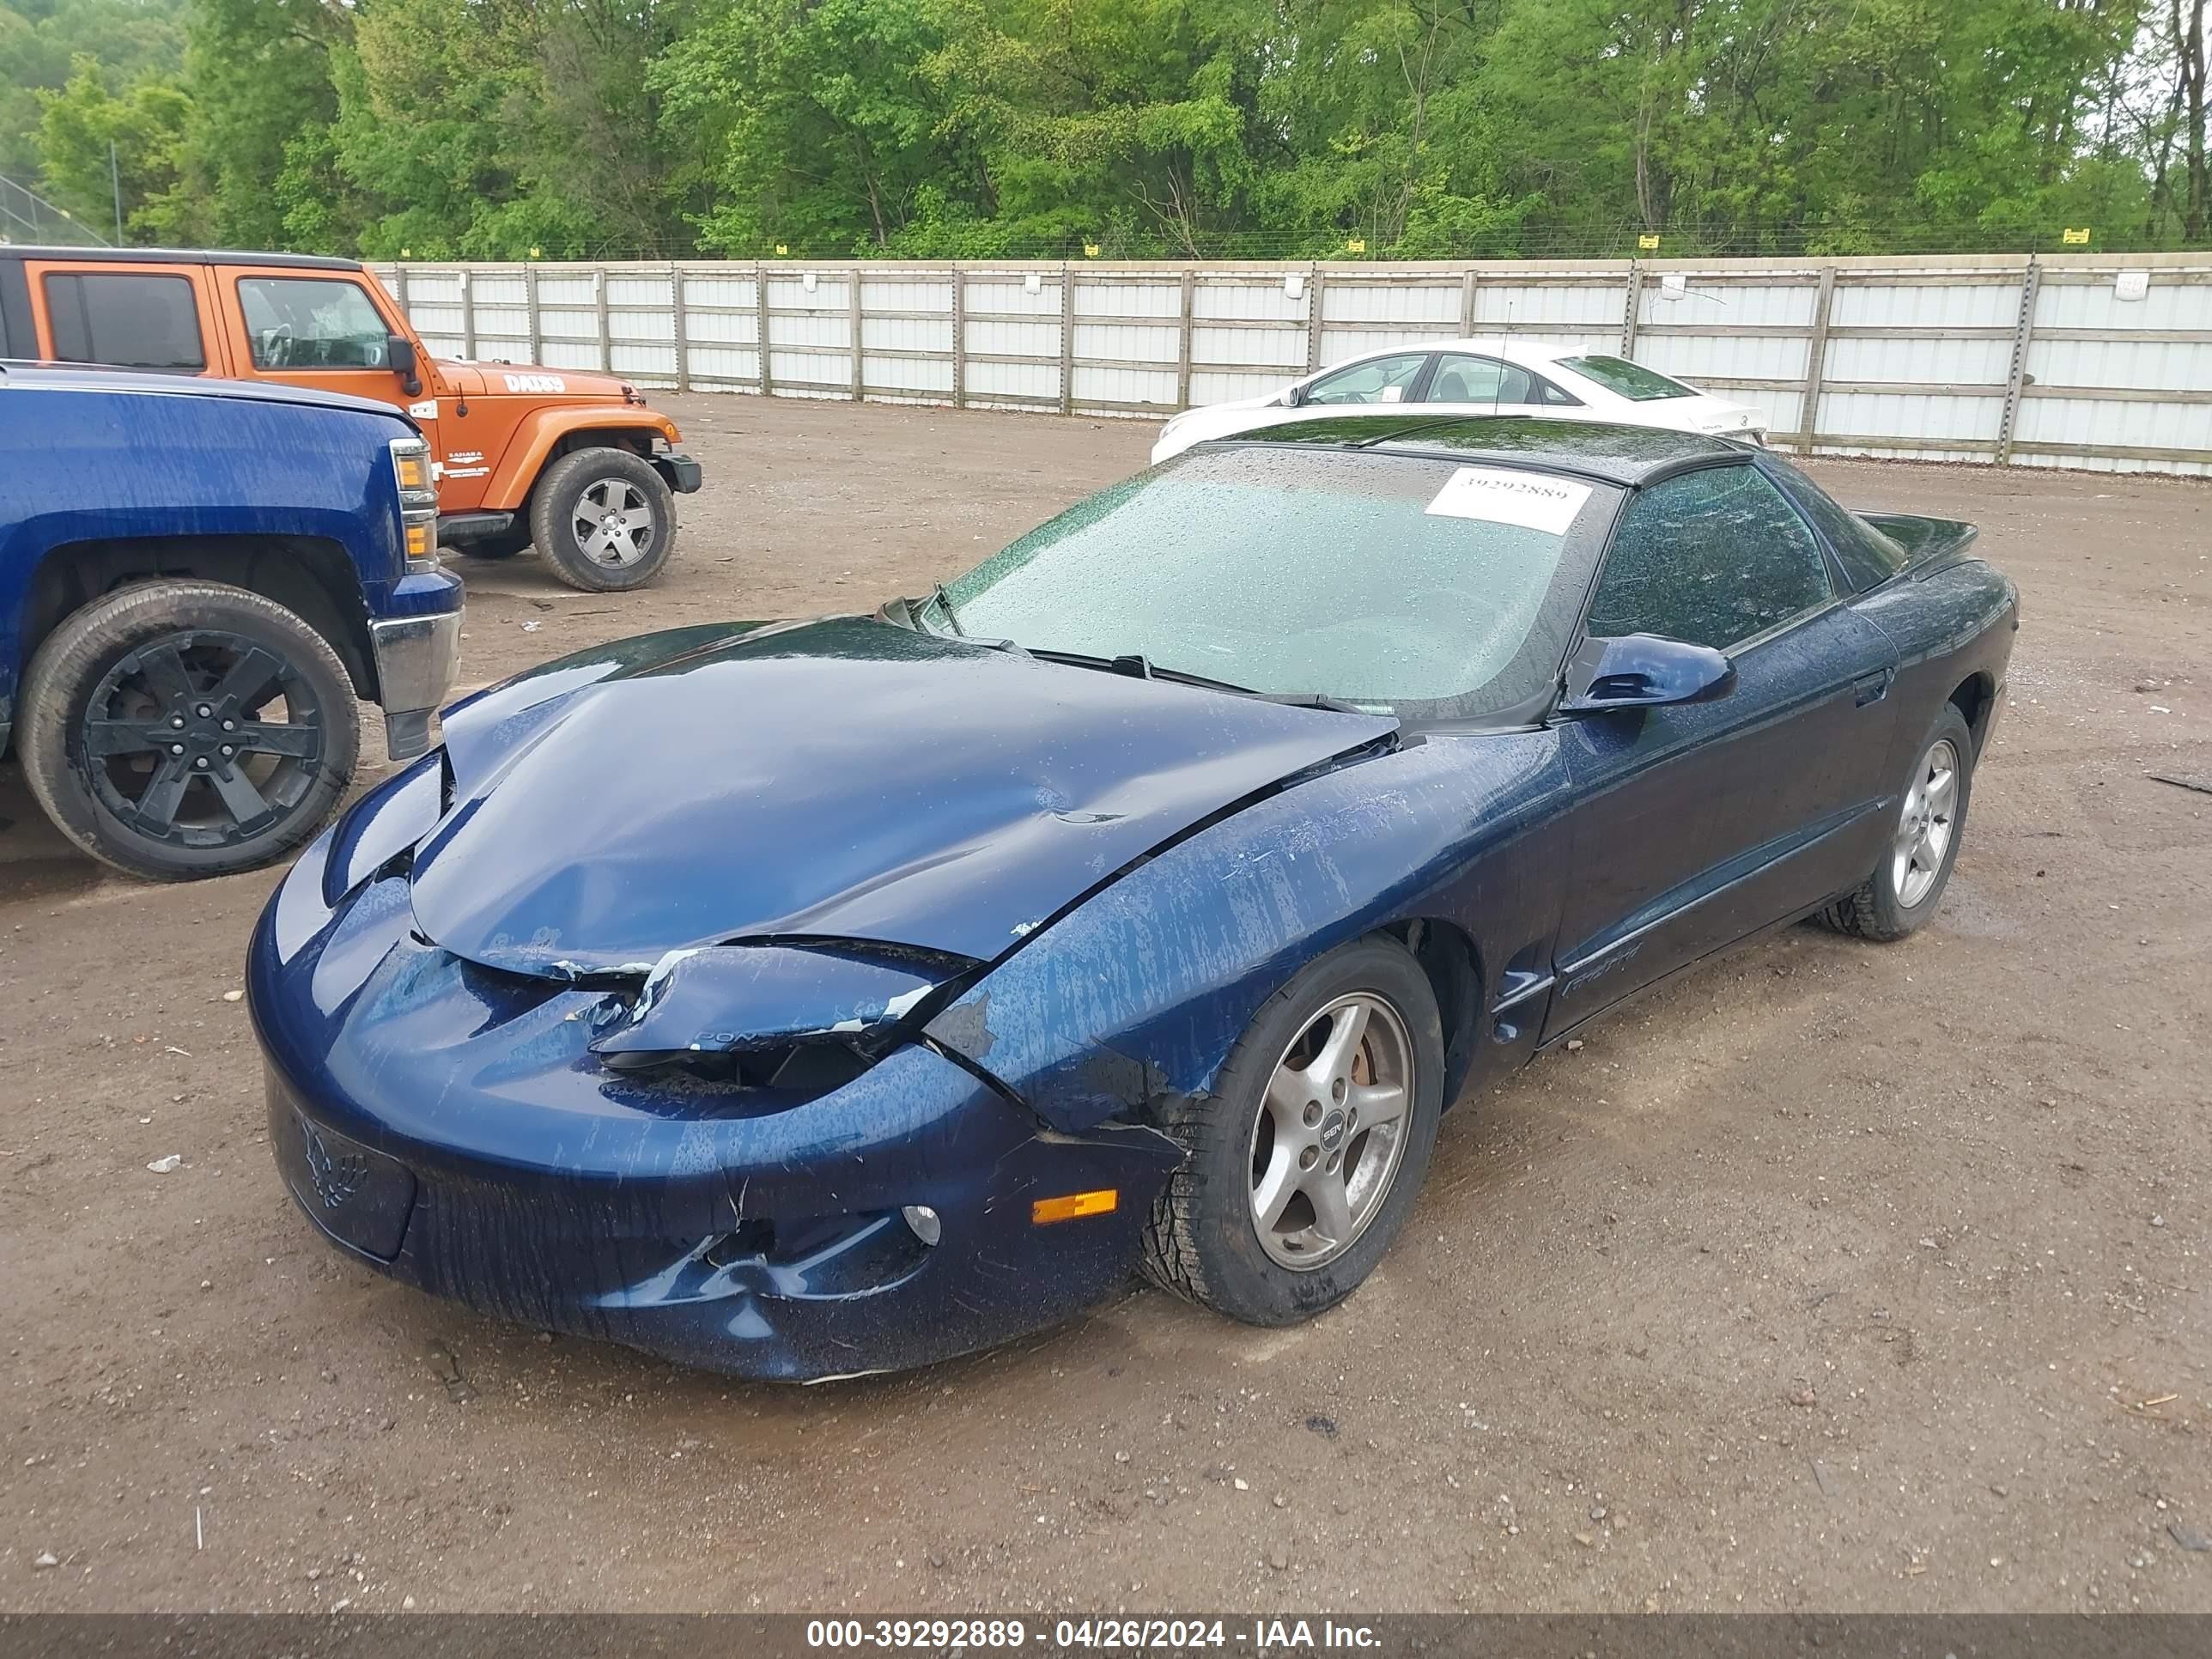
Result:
[183,729]
[605,517]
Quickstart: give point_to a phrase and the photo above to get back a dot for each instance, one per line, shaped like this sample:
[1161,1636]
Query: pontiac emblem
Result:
[336,1178]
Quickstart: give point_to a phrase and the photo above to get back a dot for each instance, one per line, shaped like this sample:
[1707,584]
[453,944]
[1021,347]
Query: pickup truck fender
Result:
[540,434]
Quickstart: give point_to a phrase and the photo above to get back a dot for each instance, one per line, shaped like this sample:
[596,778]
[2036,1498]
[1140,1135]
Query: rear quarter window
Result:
[1868,557]
[124,320]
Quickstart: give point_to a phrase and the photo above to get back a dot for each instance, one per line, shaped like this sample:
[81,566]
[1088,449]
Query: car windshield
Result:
[1389,581]
[1631,381]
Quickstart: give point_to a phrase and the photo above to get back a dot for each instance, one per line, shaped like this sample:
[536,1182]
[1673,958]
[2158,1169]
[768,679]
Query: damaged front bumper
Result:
[454,1128]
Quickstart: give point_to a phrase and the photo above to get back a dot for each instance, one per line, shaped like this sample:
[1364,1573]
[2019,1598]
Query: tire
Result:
[588,482]
[123,680]
[1204,1239]
[1896,900]
[503,546]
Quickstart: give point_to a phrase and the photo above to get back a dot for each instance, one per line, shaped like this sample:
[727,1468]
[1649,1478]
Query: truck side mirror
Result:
[399,357]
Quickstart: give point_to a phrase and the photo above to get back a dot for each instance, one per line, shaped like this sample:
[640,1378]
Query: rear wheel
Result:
[505,546]
[1304,1165]
[1902,893]
[182,729]
[605,519]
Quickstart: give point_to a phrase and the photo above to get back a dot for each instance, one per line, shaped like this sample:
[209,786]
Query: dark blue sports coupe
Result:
[809,998]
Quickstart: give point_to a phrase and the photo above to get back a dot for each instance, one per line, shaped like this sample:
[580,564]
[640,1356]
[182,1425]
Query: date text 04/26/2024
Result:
[1167,1635]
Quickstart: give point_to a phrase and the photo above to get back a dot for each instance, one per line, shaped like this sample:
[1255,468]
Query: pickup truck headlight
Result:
[418,503]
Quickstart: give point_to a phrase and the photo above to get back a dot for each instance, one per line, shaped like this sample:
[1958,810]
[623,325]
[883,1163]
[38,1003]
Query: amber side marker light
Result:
[1068,1208]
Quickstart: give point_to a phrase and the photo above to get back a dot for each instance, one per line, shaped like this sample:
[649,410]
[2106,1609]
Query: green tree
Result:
[94,145]
[810,123]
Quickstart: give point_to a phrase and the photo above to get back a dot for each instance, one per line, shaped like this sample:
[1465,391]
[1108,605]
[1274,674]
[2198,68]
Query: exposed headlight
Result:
[924,1222]
[418,502]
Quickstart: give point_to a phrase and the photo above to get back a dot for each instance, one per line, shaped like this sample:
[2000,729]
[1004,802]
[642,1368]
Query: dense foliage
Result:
[1407,128]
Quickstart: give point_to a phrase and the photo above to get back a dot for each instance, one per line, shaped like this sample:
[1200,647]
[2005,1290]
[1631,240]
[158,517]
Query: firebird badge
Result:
[336,1178]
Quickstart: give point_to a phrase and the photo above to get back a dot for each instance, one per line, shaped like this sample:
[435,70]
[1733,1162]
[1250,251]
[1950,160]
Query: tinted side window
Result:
[1479,380]
[311,322]
[1382,380]
[1712,558]
[127,321]
[1868,557]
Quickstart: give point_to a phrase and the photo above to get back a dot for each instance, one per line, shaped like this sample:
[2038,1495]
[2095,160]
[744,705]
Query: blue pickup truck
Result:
[197,579]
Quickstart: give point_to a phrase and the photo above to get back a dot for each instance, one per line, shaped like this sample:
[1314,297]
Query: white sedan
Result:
[1476,377]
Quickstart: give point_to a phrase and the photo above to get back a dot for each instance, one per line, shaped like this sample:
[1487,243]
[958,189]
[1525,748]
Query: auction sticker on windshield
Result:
[1535,501]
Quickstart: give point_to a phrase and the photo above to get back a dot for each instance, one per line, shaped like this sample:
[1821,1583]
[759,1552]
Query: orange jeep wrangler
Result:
[573,462]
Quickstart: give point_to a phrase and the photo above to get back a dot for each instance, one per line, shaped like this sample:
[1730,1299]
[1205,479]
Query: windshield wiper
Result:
[944,601]
[1139,666]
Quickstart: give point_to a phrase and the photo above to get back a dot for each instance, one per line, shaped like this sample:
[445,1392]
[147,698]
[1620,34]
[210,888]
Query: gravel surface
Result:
[1833,1276]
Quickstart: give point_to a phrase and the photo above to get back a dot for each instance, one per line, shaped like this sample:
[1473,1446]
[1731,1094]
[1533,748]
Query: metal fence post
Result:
[400,292]
[1067,339]
[1313,316]
[468,318]
[1182,343]
[1629,311]
[853,311]
[1816,362]
[529,303]
[762,373]
[2031,279]
[680,327]
[606,338]
[959,337]
[1467,305]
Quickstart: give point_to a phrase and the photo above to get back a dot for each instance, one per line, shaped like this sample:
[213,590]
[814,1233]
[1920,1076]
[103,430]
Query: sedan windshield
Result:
[1387,581]
[1626,380]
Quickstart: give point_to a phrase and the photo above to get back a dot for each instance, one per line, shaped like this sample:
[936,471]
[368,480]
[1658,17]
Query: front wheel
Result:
[1301,1168]
[605,519]
[187,728]
[1901,895]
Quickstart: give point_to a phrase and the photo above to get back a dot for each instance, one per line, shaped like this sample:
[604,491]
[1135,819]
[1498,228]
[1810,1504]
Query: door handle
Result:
[1870,688]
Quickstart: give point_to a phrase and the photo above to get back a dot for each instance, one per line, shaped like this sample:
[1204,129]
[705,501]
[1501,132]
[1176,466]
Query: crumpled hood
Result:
[837,779]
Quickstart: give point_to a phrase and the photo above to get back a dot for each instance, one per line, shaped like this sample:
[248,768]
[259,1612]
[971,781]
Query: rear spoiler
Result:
[1928,543]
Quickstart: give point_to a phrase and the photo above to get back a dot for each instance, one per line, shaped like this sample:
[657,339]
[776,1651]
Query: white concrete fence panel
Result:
[2097,361]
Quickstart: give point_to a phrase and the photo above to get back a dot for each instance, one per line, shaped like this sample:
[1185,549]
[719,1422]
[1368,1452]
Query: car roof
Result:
[1626,455]
[1529,354]
[70,377]
[176,256]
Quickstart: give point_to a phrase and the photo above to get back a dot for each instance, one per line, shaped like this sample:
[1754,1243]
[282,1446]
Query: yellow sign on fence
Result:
[2076,238]
[1647,241]
[1090,250]
[1355,245]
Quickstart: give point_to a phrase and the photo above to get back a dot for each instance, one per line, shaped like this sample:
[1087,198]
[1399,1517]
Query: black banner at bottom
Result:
[1051,1636]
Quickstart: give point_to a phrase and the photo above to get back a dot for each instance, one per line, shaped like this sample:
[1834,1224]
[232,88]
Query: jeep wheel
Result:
[186,729]
[605,517]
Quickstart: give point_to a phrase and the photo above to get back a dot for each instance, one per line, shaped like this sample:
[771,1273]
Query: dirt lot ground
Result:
[1833,1277]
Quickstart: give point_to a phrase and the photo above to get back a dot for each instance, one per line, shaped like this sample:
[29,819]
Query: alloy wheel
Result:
[1925,825]
[613,523]
[1329,1135]
[205,738]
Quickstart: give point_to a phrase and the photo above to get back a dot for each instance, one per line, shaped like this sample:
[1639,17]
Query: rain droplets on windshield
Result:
[1286,572]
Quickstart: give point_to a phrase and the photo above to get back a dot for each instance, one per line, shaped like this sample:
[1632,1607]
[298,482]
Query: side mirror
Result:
[399,358]
[1643,670]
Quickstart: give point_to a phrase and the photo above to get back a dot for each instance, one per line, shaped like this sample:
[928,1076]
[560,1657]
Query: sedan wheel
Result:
[1924,827]
[1303,1162]
[1326,1147]
[1901,894]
